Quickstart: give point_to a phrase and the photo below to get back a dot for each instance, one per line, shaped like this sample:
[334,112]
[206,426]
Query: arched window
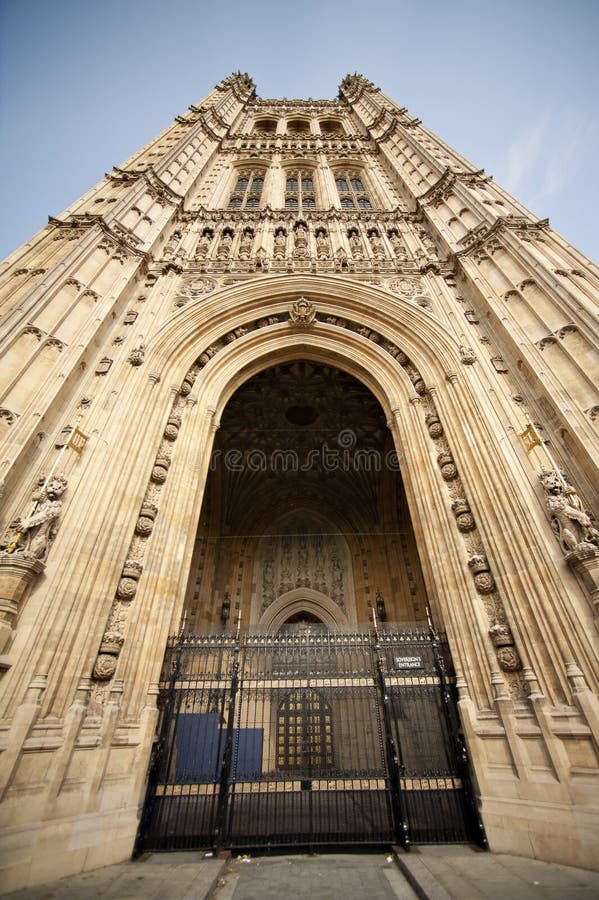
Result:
[299,190]
[351,190]
[298,126]
[247,191]
[331,127]
[266,126]
[304,732]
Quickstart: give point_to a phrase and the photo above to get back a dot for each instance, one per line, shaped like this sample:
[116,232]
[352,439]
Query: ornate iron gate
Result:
[308,737]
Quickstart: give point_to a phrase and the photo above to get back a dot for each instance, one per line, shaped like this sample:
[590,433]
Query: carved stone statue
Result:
[355,245]
[280,245]
[571,524]
[225,245]
[33,534]
[377,245]
[246,244]
[322,245]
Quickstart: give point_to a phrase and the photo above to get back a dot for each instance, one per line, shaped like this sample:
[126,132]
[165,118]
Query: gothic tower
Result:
[295,363]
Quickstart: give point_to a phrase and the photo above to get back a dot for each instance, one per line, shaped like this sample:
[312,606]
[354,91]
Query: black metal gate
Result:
[308,737]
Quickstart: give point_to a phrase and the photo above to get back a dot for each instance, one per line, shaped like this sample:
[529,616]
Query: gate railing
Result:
[308,737]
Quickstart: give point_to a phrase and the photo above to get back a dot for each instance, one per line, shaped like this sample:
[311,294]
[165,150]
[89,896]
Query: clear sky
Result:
[511,84]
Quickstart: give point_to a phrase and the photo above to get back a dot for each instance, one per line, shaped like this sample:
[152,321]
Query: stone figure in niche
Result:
[245,244]
[571,523]
[280,245]
[225,245]
[355,245]
[301,240]
[398,246]
[32,535]
[376,243]
[322,245]
[204,245]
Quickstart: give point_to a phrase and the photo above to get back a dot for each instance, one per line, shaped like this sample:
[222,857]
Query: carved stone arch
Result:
[420,425]
[302,600]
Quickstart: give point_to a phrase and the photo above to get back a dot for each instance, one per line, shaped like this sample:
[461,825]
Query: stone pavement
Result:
[428,873]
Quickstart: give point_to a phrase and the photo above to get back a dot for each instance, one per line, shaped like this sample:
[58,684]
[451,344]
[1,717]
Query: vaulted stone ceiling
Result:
[302,435]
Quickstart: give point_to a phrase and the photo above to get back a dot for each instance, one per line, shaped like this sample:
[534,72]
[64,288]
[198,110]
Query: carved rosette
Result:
[481,571]
[160,470]
[433,423]
[449,470]
[127,586]
[105,667]
[463,516]
[171,432]
[145,522]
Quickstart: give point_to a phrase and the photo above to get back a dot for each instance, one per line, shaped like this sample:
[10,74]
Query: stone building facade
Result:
[265,283]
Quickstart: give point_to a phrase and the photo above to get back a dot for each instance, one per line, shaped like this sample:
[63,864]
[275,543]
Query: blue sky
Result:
[511,85]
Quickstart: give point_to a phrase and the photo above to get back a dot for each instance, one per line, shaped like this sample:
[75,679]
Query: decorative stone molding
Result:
[17,574]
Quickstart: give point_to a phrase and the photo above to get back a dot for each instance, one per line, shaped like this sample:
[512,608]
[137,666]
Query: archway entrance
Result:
[306,698]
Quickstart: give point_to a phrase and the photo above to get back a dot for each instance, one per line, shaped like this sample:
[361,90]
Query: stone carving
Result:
[508,659]
[483,580]
[103,366]
[7,415]
[433,423]
[398,245]
[172,427]
[207,355]
[355,244]
[225,245]
[467,355]
[128,584]
[160,469]
[322,244]
[463,515]
[418,382]
[136,357]
[197,287]
[204,244]
[448,468]
[246,243]
[145,522]
[571,524]
[302,313]
[376,243]
[130,317]
[32,534]
[105,667]
[404,286]
[301,241]
[280,244]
